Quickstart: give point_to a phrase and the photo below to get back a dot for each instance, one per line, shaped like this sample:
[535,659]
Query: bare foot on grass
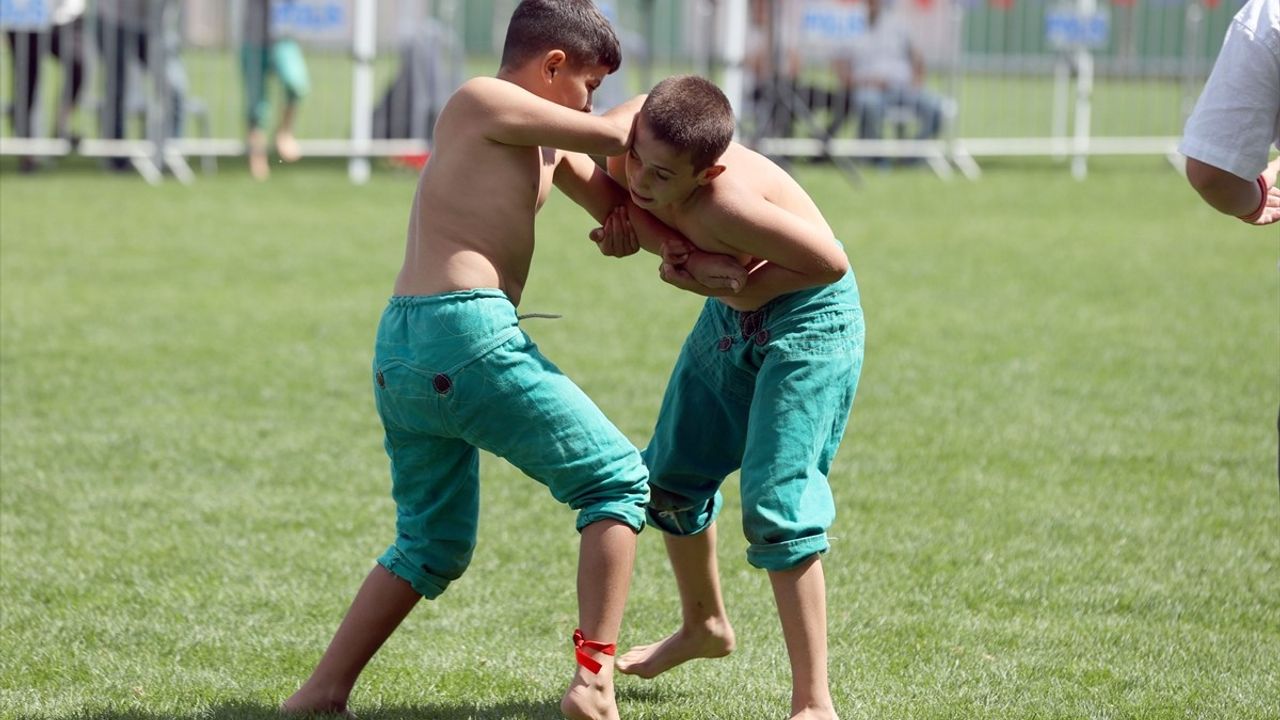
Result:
[308,703]
[287,146]
[816,714]
[685,644]
[590,697]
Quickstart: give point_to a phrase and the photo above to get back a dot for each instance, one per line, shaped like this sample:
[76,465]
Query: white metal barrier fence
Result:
[974,78]
[149,84]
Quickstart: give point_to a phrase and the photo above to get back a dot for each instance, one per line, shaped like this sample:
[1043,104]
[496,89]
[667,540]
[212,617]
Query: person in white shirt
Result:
[1236,121]
[882,69]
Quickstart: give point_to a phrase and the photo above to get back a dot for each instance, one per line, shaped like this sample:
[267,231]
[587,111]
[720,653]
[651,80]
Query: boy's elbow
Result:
[836,268]
[1205,178]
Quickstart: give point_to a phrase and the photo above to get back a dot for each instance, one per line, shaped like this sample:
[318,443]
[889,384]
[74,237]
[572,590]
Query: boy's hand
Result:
[716,271]
[676,251]
[1269,210]
[680,277]
[616,238]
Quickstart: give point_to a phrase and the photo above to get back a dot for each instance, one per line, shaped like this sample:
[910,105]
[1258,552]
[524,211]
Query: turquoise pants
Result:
[283,58]
[768,392]
[454,374]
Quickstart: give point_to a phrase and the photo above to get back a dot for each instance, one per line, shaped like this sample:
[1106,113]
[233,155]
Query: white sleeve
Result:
[1235,121]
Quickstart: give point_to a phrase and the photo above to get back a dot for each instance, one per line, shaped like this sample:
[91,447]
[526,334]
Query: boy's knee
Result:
[778,556]
[622,496]
[430,566]
[624,502]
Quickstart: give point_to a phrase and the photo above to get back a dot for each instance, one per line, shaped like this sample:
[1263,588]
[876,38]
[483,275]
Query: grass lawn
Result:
[1057,496]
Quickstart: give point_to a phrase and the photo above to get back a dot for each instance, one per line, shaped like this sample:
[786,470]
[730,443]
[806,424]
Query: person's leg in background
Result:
[253,71]
[24,49]
[117,44]
[68,46]
[928,110]
[288,63]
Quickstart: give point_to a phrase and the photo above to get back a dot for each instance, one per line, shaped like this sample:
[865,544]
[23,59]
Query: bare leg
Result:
[381,604]
[286,144]
[704,625]
[801,595]
[258,165]
[605,559]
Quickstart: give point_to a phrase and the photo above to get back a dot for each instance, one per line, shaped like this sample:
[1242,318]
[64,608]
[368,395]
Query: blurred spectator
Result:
[27,46]
[882,70]
[127,30]
[265,53]
[773,63]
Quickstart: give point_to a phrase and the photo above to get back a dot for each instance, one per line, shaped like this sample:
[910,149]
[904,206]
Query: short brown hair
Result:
[692,115]
[574,26]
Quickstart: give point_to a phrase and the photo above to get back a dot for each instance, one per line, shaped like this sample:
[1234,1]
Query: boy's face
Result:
[569,85]
[659,174]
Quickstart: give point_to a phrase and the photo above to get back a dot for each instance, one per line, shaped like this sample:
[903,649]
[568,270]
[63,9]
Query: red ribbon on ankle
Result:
[586,660]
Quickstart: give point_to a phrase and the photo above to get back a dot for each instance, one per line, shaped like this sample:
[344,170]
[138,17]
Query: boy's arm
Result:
[507,113]
[585,183]
[765,231]
[765,281]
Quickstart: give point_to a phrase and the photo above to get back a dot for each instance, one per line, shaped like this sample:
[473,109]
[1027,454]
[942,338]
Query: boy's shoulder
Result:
[477,88]
[732,194]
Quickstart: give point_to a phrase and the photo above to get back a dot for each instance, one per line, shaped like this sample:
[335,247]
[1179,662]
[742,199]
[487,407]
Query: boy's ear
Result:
[552,63]
[710,174]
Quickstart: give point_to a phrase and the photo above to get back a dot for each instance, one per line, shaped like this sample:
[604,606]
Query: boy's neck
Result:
[518,77]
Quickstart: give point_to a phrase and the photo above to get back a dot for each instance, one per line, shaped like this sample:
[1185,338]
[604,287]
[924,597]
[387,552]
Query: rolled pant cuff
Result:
[630,515]
[786,555]
[426,585]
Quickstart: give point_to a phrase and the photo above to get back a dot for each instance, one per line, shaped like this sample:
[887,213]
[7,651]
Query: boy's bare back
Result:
[472,218]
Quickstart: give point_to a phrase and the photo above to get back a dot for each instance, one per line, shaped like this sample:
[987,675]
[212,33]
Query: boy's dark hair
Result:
[690,114]
[574,26]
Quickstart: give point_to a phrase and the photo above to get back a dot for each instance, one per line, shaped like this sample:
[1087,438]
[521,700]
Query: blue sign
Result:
[309,18]
[832,23]
[1072,29]
[25,15]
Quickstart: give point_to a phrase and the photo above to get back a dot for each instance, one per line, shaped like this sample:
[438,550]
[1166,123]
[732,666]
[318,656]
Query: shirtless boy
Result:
[454,373]
[764,382]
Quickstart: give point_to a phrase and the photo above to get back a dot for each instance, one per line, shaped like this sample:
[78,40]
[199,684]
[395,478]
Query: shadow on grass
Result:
[516,710]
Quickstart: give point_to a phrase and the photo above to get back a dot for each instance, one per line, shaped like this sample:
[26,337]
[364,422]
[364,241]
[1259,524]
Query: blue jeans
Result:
[871,104]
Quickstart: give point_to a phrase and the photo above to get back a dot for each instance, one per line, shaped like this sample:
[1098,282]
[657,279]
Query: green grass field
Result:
[1057,496]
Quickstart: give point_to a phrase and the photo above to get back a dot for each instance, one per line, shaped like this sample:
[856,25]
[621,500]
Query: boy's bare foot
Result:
[708,641]
[589,698]
[287,146]
[306,703]
[259,167]
[816,714]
